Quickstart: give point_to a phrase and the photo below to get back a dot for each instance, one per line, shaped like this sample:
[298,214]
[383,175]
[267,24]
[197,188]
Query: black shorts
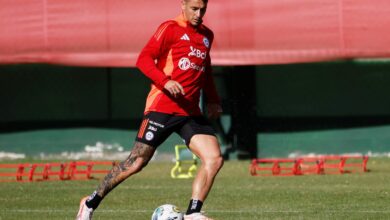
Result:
[156,127]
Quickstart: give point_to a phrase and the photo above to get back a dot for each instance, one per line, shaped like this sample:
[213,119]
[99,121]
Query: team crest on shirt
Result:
[206,42]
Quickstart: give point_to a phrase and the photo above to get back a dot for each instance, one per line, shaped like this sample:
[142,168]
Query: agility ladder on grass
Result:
[75,170]
[308,165]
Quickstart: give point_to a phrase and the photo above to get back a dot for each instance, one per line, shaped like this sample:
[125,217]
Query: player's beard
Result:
[198,22]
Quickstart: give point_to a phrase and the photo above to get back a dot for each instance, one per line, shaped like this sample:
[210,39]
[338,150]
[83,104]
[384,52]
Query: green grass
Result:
[236,195]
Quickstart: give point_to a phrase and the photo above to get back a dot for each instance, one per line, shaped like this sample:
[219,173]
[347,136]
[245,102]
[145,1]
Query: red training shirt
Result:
[181,52]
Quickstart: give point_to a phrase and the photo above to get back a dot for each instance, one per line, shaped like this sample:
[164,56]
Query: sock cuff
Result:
[93,200]
[194,206]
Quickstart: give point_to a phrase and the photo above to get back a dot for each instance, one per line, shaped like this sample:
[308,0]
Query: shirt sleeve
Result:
[151,52]
[209,88]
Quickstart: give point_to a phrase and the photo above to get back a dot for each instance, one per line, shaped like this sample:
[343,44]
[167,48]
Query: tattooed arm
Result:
[138,158]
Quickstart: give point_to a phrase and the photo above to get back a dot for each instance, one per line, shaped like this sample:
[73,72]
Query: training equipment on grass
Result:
[329,164]
[185,163]
[167,212]
[273,166]
[75,170]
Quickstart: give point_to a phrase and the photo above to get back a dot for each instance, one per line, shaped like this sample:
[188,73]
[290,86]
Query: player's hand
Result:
[213,110]
[174,88]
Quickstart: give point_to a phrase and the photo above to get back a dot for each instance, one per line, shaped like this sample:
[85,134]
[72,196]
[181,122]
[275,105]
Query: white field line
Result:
[209,211]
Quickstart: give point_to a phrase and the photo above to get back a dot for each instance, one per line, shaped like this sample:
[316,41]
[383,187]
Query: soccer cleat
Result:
[84,213]
[196,216]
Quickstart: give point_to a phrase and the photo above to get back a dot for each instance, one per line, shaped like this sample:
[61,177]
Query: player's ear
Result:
[183,4]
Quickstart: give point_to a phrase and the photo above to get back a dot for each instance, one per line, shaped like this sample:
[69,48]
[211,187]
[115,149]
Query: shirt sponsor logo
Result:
[197,53]
[185,64]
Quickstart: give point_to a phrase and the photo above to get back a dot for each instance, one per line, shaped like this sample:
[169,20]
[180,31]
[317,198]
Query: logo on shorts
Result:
[152,128]
[156,124]
[149,135]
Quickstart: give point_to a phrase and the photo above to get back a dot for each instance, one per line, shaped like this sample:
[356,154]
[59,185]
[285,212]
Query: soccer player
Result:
[177,60]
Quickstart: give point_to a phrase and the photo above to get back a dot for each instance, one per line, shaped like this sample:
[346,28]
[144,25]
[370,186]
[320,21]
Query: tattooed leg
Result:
[138,158]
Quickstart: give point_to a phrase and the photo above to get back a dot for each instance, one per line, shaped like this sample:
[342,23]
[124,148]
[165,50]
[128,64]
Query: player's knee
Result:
[140,163]
[144,162]
[219,162]
[214,163]
[134,165]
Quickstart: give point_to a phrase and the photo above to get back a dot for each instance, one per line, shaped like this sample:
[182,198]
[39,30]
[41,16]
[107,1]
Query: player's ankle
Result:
[93,201]
[194,206]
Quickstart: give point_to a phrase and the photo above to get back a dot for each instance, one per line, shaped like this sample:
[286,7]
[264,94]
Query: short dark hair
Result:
[205,1]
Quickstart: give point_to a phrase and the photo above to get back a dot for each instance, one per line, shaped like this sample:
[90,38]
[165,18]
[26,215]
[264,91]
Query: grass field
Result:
[236,195]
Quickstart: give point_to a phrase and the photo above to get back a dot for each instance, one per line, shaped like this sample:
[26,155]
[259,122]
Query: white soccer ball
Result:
[167,212]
